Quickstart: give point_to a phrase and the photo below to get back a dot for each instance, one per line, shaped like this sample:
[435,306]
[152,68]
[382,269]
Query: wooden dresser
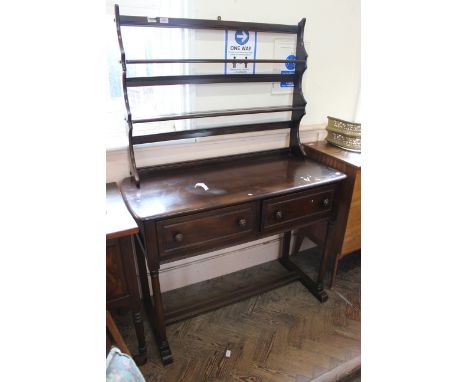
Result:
[240,200]
[121,278]
[188,208]
[347,230]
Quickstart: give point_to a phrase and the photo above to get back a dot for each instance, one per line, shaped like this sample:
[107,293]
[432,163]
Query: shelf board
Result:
[207,132]
[209,61]
[170,22]
[220,113]
[207,79]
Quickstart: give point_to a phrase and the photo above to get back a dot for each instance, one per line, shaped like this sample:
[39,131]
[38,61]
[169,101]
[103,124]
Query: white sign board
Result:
[240,45]
[284,50]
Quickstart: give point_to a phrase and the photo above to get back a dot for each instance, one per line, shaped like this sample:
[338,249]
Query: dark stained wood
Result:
[298,101]
[222,113]
[296,208]
[194,309]
[209,132]
[298,95]
[121,280]
[171,22]
[238,181]
[187,210]
[165,168]
[119,222]
[209,61]
[198,294]
[283,335]
[346,234]
[143,273]
[315,288]
[116,283]
[207,79]
[157,308]
[206,230]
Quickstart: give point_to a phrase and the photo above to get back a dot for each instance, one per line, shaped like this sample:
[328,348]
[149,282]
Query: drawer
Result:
[296,209]
[207,230]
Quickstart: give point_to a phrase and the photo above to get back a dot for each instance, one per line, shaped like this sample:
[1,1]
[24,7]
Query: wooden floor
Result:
[282,335]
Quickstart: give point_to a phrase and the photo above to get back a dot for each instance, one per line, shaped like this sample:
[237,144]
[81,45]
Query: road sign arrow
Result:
[244,37]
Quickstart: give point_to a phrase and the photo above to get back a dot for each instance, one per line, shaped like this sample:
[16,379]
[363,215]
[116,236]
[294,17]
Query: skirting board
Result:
[218,263]
[207,147]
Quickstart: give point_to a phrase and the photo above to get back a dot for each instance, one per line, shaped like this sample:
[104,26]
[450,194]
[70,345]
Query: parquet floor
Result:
[281,335]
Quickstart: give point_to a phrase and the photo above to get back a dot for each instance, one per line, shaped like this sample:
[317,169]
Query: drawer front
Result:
[296,209]
[207,230]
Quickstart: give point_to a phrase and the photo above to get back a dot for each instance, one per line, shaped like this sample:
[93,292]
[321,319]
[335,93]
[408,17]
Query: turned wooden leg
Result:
[158,319]
[127,246]
[141,357]
[142,271]
[156,310]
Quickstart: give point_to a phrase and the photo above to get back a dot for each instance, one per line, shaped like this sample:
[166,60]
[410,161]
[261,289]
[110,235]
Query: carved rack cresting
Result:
[297,108]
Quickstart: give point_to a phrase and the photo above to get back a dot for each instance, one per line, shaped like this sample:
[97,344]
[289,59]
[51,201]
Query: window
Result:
[144,43]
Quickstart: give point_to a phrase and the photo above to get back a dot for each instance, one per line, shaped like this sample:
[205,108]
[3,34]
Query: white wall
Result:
[332,80]
[331,87]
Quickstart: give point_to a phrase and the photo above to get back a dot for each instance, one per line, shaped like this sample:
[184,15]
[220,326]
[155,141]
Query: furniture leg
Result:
[335,269]
[327,248]
[300,235]
[142,271]
[315,288]
[127,245]
[141,357]
[158,320]
[156,311]
[286,245]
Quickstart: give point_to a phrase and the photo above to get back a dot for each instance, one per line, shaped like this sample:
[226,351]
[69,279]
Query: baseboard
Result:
[117,166]
[345,372]
[207,266]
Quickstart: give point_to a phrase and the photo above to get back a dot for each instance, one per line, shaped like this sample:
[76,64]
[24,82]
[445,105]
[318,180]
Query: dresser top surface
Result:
[326,148]
[119,222]
[214,185]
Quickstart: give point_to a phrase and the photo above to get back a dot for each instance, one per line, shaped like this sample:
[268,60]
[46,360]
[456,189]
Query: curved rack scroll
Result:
[297,108]
[131,152]
[298,95]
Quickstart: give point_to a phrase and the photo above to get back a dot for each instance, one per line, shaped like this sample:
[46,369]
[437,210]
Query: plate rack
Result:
[297,107]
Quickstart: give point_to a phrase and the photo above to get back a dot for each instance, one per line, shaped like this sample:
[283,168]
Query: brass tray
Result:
[344,134]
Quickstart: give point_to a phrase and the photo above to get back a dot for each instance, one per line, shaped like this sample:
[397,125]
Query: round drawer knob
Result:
[325,202]
[178,237]
[242,222]
[278,215]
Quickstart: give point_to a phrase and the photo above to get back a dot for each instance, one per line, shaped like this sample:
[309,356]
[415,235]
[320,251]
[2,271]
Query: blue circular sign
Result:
[242,37]
[290,65]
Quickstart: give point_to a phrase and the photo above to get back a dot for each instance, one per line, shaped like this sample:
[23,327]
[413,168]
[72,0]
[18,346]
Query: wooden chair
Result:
[113,335]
